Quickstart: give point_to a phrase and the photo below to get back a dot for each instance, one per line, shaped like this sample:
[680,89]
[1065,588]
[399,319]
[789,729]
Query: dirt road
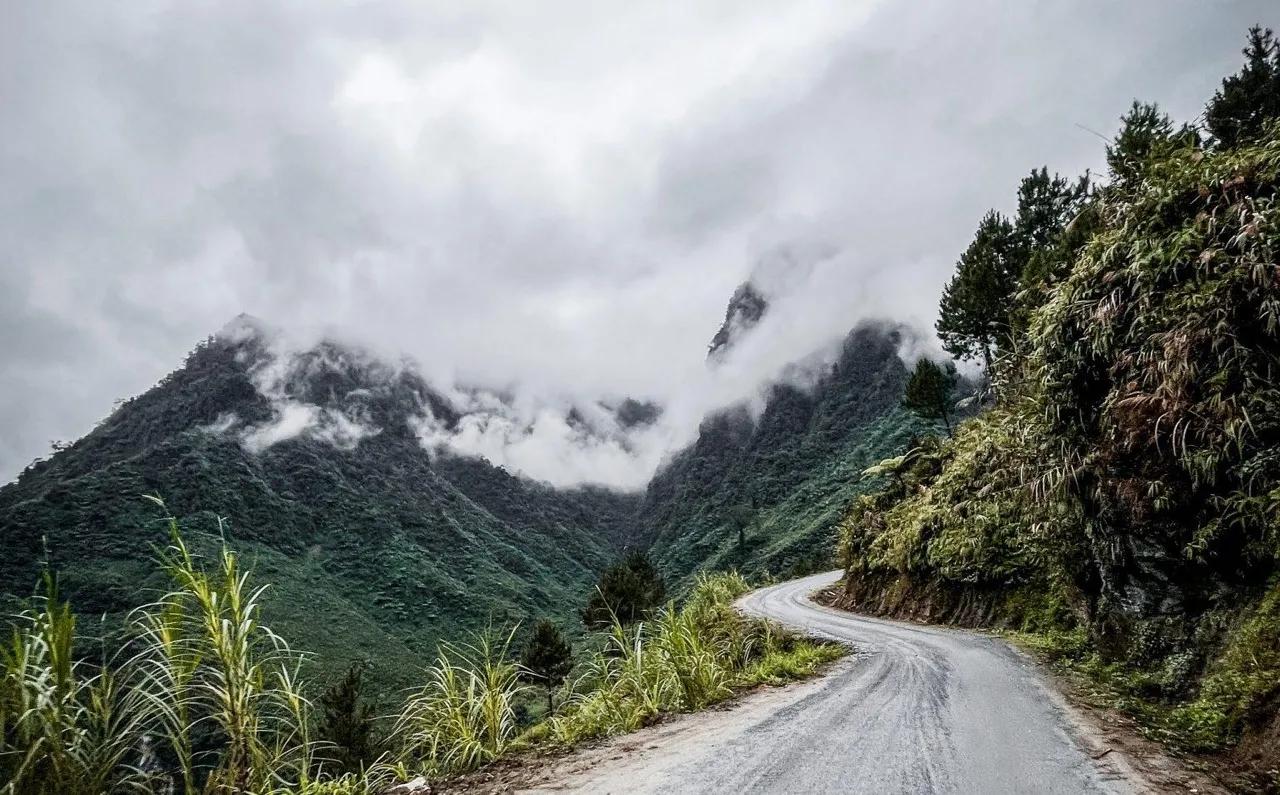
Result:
[918,710]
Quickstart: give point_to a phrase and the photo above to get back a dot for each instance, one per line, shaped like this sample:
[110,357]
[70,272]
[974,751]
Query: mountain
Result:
[783,477]
[325,468]
[746,308]
[373,546]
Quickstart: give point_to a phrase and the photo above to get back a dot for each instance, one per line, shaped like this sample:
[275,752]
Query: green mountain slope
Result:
[372,551]
[787,476]
[375,548]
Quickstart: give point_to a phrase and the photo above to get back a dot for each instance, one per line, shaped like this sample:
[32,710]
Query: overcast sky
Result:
[560,195]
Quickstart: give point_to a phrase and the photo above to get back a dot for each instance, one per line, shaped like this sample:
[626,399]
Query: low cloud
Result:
[554,202]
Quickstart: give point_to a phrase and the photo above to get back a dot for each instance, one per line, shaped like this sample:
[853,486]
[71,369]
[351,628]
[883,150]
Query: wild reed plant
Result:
[201,698]
[65,727]
[465,715]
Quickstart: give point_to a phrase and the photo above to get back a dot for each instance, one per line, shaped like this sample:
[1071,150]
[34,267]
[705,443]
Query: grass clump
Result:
[684,660]
[465,715]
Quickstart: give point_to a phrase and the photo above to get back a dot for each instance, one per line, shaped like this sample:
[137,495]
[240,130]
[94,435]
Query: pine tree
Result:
[973,318]
[1146,134]
[1046,207]
[929,391]
[348,722]
[1249,99]
[629,589]
[547,659]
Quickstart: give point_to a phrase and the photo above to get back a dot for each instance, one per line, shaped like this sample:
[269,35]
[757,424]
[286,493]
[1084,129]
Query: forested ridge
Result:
[1119,496]
[375,551]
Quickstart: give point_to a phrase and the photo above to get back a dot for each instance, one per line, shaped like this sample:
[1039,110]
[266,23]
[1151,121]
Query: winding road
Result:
[918,710]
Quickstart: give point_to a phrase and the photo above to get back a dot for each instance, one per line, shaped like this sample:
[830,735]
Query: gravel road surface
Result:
[919,710]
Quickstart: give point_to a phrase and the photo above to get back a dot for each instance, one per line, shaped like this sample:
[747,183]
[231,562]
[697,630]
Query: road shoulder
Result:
[619,763]
[1115,741]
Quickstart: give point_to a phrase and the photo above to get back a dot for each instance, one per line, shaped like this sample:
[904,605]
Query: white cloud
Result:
[557,197]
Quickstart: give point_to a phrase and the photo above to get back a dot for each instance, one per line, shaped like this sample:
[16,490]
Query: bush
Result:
[202,695]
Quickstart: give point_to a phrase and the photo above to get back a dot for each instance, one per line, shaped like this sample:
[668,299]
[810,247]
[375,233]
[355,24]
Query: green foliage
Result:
[203,695]
[1045,206]
[1052,223]
[930,391]
[973,319]
[547,658]
[627,592]
[348,725]
[795,465]
[1129,468]
[683,660]
[64,727]
[376,551]
[465,715]
[954,509]
[1241,686]
[1250,99]
[1146,134]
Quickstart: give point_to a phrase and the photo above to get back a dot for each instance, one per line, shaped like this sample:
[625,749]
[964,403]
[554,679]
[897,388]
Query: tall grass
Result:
[684,660]
[465,715]
[203,699]
[65,727]
[207,664]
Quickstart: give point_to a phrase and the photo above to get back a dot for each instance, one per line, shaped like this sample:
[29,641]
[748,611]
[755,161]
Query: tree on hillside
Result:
[547,659]
[929,391]
[348,722]
[740,518]
[1146,134]
[1046,207]
[628,590]
[973,318]
[1240,110]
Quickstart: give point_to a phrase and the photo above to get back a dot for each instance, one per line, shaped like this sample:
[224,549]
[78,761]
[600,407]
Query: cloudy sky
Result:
[559,195]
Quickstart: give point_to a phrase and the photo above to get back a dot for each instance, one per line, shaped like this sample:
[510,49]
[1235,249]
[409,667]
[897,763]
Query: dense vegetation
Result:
[1120,496]
[763,494]
[201,696]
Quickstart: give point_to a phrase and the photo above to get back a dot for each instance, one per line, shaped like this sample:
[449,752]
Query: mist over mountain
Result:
[404,513]
[373,544]
[560,200]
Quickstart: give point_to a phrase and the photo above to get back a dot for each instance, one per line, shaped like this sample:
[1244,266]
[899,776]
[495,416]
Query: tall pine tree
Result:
[1249,99]
[547,659]
[973,318]
[348,722]
[929,391]
[629,590]
[1146,134]
[1046,206]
